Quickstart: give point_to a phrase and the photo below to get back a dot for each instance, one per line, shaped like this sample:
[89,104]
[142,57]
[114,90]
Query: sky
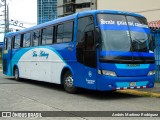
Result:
[23,11]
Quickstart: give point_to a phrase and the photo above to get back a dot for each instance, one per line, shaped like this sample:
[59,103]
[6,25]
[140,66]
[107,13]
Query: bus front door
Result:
[86,55]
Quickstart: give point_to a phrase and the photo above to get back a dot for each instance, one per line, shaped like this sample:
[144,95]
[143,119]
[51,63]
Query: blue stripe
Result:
[113,27]
[125,66]
[118,53]
[139,29]
[126,84]
[122,84]
[124,27]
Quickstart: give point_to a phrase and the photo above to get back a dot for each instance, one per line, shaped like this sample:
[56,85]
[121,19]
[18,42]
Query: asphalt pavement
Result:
[27,95]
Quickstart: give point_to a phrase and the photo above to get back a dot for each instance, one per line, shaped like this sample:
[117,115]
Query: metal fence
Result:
[156,37]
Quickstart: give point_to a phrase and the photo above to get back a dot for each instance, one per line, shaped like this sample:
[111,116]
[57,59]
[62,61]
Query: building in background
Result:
[68,7]
[46,10]
[148,8]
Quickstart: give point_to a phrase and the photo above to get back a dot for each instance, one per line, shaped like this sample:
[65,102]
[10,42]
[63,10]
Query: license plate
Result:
[132,84]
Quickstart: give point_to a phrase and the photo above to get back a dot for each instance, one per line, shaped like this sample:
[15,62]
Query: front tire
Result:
[68,83]
[16,74]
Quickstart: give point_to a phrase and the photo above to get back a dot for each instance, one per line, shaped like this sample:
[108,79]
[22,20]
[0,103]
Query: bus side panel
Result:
[85,77]
[40,63]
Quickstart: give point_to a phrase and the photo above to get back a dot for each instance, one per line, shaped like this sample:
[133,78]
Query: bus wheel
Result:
[68,83]
[16,74]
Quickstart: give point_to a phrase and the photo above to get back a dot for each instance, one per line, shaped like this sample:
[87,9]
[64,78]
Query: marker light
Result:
[108,73]
[153,72]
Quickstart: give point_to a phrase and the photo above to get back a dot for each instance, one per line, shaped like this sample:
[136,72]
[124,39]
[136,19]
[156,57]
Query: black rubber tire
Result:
[16,74]
[68,83]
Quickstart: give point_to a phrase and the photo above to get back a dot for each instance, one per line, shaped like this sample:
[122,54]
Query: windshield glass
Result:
[139,33]
[118,35]
[115,34]
[123,35]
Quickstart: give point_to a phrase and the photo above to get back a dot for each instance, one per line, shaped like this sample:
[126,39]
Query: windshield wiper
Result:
[138,40]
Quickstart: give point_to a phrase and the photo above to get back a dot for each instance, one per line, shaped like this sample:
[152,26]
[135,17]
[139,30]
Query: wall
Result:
[148,8]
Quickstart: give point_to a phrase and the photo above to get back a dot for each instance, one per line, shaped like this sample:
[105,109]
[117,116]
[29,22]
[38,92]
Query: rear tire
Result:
[68,83]
[16,74]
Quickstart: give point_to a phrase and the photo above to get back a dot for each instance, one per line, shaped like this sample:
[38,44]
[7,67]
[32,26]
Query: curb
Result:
[140,93]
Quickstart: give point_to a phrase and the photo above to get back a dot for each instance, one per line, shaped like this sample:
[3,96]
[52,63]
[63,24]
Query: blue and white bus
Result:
[99,50]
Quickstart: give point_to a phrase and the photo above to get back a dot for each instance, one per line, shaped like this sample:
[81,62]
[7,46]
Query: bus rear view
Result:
[125,58]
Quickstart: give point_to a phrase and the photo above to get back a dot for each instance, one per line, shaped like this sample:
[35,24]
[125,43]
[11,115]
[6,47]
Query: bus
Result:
[102,50]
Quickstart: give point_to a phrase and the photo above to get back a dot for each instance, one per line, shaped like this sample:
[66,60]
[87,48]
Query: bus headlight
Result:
[108,73]
[153,72]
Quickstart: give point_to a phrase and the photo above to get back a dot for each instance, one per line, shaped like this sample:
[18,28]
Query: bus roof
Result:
[73,16]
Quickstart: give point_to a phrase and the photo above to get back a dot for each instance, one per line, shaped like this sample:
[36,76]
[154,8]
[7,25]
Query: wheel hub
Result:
[69,81]
[16,73]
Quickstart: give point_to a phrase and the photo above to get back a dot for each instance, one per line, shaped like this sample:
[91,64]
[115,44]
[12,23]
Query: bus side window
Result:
[47,36]
[9,44]
[89,40]
[17,41]
[86,53]
[5,43]
[68,31]
[59,33]
[35,38]
[26,39]
[65,32]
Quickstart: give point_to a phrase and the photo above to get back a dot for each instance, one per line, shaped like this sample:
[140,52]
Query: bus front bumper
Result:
[105,83]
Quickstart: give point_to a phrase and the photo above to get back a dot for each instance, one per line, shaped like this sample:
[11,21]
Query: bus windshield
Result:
[120,34]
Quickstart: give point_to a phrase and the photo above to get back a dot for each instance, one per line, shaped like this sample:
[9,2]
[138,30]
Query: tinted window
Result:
[59,33]
[5,43]
[9,44]
[65,32]
[85,24]
[47,36]
[68,32]
[86,53]
[26,40]
[17,41]
[35,37]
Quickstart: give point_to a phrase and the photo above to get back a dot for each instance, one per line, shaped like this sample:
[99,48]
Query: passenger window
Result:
[35,38]
[60,33]
[26,40]
[17,41]
[65,32]
[5,43]
[68,32]
[9,44]
[47,36]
